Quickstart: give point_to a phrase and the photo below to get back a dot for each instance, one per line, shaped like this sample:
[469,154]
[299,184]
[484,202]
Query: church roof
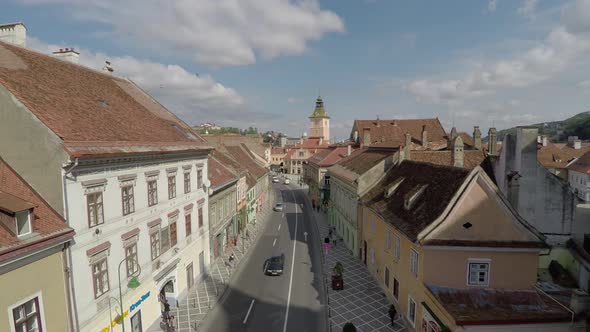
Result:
[319,111]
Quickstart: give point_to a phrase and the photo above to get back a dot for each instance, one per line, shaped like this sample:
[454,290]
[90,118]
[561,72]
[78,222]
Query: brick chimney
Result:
[14,33]
[348,150]
[477,137]
[366,136]
[492,142]
[457,154]
[544,140]
[424,136]
[577,144]
[407,146]
[67,54]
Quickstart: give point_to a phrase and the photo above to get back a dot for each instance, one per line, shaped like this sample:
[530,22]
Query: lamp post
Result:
[133,283]
[110,316]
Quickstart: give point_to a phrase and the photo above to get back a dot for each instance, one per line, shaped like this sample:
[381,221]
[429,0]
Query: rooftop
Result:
[559,155]
[581,165]
[328,157]
[471,158]
[218,174]
[395,129]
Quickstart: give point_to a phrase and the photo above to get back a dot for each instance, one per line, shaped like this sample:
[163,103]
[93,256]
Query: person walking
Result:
[231,262]
[172,323]
[392,314]
[326,246]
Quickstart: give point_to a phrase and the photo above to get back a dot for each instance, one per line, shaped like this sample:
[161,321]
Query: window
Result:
[327,180]
[27,316]
[199,178]
[94,207]
[173,234]
[131,259]
[136,322]
[164,239]
[396,247]
[213,214]
[100,276]
[200,216]
[395,288]
[152,192]
[155,244]
[171,187]
[190,280]
[414,262]
[387,240]
[23,222]
[187,224]
[479,273]
[128,202]
[386,277]
[411,311]
[187,183]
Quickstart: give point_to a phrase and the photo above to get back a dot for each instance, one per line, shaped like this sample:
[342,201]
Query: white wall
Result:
[580,182]
[115,224]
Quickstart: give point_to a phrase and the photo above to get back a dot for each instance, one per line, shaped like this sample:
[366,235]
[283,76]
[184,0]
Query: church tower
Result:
[320,121]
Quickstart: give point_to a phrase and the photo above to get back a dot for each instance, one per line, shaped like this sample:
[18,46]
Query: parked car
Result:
[278,207]
[287,181]
[274,265]
[275,180]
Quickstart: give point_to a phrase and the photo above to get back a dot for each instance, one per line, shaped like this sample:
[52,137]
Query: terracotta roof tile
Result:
[487,306]
[328,157]
[559,155]
[242,157]
[582,164]
[47,224]
[395,129]
[442,181]
[362,160]
[79,104]
[218,174]
[471,158]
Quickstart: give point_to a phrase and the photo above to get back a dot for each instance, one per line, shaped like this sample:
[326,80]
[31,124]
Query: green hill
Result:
[577,125]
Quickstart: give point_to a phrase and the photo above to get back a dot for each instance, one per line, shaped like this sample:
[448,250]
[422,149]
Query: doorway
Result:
[168,296]
[136,322]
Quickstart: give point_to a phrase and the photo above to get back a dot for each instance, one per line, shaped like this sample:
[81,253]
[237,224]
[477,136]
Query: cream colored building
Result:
[452,255]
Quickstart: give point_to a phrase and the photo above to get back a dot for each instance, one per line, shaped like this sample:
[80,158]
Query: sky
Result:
[262,63]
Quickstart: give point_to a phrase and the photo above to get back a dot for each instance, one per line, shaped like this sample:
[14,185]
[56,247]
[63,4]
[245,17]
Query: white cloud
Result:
[212,32]
[292,100]
[492,5]
[528,8]
[193,97]
[576,16]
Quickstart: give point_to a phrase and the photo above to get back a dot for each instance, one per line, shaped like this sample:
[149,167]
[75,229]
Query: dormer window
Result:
[23,222]
[412,196]
[392,188]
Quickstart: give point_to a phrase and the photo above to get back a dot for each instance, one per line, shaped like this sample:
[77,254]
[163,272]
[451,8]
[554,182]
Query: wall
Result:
[580,182]
[92,312]
[26,281]
[33,151]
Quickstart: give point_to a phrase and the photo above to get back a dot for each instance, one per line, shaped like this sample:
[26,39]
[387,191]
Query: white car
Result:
[278,207]
[275,180]
[287,181]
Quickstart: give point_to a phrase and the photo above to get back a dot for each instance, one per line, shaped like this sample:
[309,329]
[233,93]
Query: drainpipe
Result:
[71,293]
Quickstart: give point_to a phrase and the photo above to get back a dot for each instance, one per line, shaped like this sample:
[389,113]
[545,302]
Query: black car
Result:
[274,265]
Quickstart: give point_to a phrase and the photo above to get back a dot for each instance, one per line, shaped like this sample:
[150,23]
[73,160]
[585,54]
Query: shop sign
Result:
[126,313]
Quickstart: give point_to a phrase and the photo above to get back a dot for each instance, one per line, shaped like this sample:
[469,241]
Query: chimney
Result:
[67,54]
[539,139]
[452,137]
[424,136]
[457,154]
[355,136]
[577,144]
[477,137]
[407,146]
[348,150]
[544,140]
[492,142]
[366,136]
[571,139]
[14,33]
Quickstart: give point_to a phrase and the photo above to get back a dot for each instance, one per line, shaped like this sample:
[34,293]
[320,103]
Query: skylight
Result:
[393,187]
[412,196]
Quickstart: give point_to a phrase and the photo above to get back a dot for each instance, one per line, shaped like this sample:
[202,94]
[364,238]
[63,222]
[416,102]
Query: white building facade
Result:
[146,215]
[580,183]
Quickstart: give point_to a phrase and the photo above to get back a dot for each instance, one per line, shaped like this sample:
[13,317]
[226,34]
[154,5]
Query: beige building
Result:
[316,169]
[452,254]
[33,238]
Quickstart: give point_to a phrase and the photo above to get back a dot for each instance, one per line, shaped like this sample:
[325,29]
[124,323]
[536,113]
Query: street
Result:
[293,301]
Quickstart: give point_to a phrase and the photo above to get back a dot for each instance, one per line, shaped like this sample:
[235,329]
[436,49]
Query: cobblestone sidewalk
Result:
[362,301]
[204,296]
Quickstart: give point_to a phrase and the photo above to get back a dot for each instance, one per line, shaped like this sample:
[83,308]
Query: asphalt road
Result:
[294,301]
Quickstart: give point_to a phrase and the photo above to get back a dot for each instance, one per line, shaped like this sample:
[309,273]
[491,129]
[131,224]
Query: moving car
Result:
[287,181]
[274,265]
[275,180]
[278,207]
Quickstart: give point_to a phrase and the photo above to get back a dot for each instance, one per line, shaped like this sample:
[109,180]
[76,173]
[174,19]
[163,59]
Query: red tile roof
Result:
[82,105]
[230,163]
[362,160]
[485,306]
[328,157]
[556,155]
[48,226]
[242,157]
[277,151]
[395,130]
[218,174]
[581,165]
[471,158]
[467,139]
[313,143]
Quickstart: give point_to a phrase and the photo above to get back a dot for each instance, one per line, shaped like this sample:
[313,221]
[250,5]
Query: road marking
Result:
[279,227]
[274,242]
[292,266]
[248,313]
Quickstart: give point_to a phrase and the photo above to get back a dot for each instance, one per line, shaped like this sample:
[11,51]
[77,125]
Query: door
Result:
[170,294]
[365,252]
[136,322]
[201,263]
[190,279]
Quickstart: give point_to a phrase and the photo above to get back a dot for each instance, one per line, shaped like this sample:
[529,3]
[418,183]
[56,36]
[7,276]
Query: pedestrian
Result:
[172,323]
[330,233]
[231,261]
[334,241]
[326,247]
[392,314]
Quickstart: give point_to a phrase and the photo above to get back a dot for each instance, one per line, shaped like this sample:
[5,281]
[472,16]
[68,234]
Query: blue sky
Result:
[263,62]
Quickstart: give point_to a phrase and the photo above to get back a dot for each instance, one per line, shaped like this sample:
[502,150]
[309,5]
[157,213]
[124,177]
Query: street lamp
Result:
[132,283]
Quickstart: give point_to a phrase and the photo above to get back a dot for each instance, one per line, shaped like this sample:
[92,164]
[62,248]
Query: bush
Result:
[338,269]
[349,327]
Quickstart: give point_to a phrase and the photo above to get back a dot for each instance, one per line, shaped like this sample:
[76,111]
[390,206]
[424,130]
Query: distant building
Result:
[579,177]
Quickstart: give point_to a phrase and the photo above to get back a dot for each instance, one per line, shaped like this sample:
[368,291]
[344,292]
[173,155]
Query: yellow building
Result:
[452,254]
[32,276]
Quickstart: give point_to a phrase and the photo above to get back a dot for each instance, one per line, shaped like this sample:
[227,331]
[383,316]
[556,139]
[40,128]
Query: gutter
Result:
[70,290]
